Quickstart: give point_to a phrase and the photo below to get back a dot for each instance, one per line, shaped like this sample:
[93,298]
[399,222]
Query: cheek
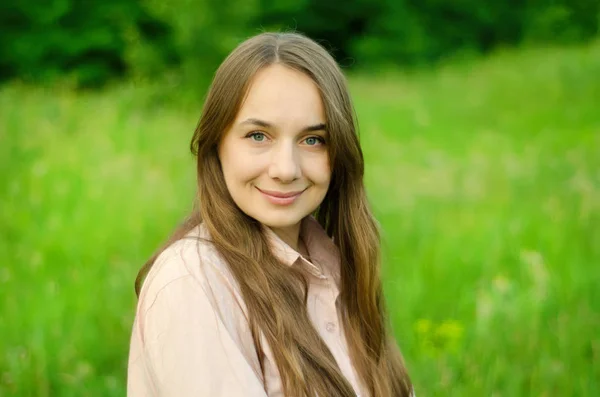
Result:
[319,171]
[238,168]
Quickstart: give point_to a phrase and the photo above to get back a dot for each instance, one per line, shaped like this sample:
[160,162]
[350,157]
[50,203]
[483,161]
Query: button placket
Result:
[331,316]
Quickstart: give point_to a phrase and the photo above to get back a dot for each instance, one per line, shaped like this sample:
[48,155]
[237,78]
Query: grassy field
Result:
[485,176]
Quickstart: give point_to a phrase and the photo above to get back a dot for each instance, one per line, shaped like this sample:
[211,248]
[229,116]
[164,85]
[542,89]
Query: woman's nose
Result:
[285,164]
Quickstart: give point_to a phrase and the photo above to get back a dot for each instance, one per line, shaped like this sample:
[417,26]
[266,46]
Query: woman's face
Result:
[274,156]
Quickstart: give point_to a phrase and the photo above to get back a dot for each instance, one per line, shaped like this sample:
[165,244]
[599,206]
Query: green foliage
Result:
[203,33]
[410,31]
[85,40]
[562,21]
[363,33]
[92,41]
[335,24]
[484,177]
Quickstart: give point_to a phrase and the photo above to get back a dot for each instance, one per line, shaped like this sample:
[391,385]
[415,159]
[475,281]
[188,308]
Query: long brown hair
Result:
[275,294]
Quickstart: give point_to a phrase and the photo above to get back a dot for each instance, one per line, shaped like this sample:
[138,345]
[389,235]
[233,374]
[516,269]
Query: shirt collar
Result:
[323,253]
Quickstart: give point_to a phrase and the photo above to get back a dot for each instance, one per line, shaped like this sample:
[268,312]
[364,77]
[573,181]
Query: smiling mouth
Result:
[281,198]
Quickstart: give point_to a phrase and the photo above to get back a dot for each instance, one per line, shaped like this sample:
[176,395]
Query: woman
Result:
[272,287]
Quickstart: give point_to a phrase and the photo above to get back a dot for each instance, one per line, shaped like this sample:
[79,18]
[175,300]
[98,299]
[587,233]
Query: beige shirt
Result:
[191,335]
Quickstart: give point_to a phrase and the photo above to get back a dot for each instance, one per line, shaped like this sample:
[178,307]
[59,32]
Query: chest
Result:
[325,317]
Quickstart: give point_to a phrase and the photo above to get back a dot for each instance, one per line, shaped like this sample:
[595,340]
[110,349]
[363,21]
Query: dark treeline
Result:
[93,41]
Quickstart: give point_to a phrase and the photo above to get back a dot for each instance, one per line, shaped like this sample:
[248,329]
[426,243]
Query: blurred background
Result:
[480,123]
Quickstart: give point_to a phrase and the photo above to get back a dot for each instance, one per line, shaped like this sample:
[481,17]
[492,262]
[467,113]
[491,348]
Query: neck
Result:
[290,235]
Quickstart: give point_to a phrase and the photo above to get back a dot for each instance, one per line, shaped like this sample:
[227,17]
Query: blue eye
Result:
[314,140]
[256,136]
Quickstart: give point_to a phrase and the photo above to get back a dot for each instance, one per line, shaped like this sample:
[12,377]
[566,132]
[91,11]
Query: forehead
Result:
[282,95]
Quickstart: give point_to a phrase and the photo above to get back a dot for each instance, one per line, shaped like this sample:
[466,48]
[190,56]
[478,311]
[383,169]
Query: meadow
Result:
[484,175]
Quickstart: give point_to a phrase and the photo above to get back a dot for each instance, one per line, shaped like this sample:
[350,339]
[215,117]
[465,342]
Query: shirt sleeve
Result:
[182,348]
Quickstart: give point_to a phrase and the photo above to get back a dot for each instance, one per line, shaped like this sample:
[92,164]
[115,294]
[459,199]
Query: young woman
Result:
[272,287]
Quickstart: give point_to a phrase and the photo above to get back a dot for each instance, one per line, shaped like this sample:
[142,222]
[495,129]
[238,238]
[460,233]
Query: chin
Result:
[280,221]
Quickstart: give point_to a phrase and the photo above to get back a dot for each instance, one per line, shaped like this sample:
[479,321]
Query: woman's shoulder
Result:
[192,257]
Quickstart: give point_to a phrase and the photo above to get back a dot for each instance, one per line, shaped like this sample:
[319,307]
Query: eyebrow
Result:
[265,124]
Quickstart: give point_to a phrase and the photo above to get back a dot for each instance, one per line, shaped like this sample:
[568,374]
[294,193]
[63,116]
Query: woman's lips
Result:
[280,198]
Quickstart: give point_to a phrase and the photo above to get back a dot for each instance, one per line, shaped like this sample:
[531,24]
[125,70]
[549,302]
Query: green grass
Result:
[485,176]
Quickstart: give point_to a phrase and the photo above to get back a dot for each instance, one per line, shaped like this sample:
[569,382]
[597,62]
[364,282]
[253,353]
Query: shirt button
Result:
[330,326]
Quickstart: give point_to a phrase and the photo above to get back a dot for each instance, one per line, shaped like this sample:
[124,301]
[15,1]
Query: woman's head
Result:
[278,121]
[274,155]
